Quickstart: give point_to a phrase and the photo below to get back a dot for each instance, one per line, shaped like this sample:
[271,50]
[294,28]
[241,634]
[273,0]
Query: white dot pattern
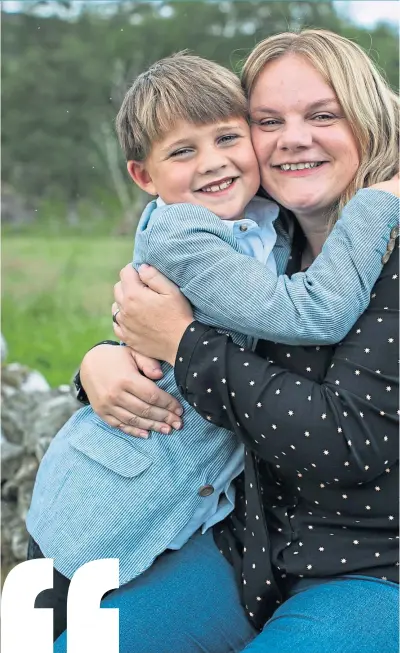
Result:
[321,433]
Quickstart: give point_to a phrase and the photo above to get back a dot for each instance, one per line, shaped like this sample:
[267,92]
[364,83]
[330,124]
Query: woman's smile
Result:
[306,169]
[307,152]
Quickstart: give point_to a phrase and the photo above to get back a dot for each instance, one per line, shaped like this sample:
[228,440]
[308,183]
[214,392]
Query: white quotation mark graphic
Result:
[90,628]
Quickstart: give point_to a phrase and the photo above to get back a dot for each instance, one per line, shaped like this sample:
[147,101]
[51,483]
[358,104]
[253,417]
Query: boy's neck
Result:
[160,202]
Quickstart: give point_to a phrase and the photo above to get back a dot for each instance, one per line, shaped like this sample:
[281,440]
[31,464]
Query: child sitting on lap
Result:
[100,493]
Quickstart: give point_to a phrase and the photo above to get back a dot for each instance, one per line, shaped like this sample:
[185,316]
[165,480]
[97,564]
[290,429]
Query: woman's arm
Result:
[343,429]
[198,252]
[120,387]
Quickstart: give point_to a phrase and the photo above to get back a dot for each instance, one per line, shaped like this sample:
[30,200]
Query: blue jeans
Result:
[188,602]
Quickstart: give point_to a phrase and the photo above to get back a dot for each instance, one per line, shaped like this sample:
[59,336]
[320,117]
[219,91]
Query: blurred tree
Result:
[66,71]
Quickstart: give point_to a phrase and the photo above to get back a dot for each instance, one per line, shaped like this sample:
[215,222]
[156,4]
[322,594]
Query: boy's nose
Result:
[211,164]
[211,159]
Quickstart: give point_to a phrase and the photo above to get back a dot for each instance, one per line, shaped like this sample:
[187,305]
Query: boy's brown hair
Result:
[180,87]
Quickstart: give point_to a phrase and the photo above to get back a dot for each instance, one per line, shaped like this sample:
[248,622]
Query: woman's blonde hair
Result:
[369,105]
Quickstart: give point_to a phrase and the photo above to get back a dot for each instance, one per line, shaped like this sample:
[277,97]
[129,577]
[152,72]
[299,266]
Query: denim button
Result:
[206,490]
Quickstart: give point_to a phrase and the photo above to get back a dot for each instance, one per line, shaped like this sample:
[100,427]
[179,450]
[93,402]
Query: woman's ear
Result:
[140,175]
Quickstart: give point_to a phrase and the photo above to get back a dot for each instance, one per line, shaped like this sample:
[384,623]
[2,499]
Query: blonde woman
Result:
[308,562]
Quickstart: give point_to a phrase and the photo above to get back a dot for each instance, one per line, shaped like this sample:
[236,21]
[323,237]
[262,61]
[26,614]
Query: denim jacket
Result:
[100,493]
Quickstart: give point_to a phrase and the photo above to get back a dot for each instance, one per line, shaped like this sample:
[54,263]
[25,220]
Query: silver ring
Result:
[114,317]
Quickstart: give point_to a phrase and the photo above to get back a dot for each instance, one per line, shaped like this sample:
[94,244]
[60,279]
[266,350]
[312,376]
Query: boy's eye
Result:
[181,152]
[227,138]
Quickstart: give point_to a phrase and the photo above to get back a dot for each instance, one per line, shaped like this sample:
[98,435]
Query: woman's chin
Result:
[304,207]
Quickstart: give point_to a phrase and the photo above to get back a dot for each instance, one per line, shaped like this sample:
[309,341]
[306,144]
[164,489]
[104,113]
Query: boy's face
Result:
[211,165]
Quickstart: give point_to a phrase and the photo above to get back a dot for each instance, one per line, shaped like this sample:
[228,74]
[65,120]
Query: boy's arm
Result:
[194,248]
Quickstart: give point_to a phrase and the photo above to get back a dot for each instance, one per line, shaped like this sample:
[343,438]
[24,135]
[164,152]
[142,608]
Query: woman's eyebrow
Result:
[309,107]
[322,103]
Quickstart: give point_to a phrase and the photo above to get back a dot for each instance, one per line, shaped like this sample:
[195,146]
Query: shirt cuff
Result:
[194,332]
[384,206]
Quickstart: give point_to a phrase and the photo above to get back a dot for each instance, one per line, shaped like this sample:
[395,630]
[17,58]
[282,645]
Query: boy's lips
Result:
[217,186]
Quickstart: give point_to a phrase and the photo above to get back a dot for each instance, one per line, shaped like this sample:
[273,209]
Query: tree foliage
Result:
[65,72]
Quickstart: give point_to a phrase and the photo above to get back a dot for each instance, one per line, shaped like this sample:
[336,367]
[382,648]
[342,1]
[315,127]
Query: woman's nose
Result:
[295,136]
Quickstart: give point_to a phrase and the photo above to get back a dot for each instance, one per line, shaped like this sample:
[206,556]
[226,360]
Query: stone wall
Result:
[31,414]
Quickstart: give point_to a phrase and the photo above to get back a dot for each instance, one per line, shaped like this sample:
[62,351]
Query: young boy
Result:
[100,493]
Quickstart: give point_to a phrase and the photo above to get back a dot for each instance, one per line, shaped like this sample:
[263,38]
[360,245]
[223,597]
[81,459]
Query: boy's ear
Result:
[140,175]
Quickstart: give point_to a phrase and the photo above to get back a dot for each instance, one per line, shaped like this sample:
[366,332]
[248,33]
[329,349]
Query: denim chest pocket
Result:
[103,444]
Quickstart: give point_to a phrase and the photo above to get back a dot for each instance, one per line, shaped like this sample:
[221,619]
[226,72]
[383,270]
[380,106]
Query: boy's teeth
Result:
[215,187]
[300,166]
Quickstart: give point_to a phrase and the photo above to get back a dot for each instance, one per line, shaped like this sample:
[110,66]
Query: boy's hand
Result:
[122,396]
[153,314]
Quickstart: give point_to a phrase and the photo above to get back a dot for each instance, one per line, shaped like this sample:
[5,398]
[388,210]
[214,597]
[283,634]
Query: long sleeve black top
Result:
[319,497]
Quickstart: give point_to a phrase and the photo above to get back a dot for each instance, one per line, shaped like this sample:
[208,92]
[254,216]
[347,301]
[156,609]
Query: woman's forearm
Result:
[345,426]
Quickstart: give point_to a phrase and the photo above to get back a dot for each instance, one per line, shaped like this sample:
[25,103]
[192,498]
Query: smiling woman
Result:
[311,545]
[302,111]
[304,136]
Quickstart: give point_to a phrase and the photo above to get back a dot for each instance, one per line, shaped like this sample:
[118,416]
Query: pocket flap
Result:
[103,444]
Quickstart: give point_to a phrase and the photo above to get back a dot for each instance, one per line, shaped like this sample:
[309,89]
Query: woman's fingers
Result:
[139,426]
[144,415]
[150,367]
[151,398]
[118,294]
[155,280]
[130,430]
[118,331]
[111,378]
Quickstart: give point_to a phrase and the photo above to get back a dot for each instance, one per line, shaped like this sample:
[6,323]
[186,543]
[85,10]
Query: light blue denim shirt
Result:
[257,237]
[100,493]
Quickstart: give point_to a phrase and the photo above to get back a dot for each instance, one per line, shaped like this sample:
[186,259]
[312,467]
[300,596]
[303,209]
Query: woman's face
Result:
[296,119]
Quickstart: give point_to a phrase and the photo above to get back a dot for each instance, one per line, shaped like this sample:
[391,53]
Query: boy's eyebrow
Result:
[228,127]
[173,144]
[186,141]
[310,107]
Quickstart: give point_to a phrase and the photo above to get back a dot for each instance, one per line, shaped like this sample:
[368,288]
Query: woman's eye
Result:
[266,122]
[321,117]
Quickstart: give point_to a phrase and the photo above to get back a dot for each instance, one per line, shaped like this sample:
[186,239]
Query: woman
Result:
[312,539]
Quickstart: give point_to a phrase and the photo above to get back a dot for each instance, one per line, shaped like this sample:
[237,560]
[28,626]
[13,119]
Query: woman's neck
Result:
[316,232]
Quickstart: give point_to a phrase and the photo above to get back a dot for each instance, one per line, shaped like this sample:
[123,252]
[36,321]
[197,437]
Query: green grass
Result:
[56,298]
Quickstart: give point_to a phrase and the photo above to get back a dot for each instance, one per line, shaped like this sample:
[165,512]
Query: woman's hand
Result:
[122,396]
[153,314]
[391,186]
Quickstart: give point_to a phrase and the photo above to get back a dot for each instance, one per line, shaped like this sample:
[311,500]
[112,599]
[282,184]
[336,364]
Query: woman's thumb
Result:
[155,280]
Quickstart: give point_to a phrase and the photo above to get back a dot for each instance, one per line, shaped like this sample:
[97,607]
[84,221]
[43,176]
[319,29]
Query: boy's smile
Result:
[211,165]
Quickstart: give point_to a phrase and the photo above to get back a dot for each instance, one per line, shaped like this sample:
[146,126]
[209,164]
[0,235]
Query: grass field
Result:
[56,298]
